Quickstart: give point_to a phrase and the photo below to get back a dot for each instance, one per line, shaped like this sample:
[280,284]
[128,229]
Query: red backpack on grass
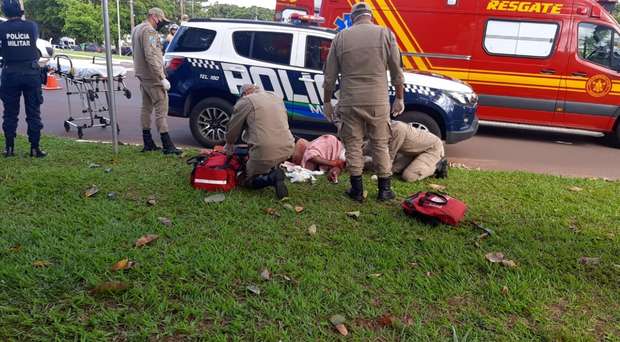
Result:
[214,172]
[434,209]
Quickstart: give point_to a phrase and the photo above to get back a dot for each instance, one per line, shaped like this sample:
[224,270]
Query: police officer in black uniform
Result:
[21,74]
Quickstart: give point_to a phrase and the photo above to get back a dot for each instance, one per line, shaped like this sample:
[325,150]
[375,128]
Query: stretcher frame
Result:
[93,94]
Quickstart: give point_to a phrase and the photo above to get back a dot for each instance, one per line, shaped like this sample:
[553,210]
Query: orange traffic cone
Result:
[52,83]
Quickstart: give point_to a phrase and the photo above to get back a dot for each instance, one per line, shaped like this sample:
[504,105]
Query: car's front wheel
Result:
[422,121]
[208,121]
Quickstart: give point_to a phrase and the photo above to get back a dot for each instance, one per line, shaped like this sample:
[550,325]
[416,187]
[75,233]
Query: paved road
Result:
[492,148]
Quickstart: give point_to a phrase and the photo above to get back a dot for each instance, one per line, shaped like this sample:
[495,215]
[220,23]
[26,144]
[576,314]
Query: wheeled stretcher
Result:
[89,82]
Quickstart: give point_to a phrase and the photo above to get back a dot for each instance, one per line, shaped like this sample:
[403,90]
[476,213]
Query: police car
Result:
[46,50]
[210,59]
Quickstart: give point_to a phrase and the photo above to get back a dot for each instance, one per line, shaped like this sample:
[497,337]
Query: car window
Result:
[596,44]
[520,38]
[317,49]
[272,47]
[192,39]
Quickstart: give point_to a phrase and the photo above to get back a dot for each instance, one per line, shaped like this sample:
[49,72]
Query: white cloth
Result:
[297,174]
[85,69]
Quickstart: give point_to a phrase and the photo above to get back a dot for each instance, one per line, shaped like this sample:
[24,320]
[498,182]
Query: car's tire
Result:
[209,119]
[614,137]
[421,120]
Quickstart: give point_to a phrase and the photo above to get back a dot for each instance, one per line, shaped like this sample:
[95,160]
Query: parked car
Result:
[209,60]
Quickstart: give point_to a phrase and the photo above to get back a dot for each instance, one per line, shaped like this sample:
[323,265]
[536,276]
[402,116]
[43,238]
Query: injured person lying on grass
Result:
[326,153]
[416,153]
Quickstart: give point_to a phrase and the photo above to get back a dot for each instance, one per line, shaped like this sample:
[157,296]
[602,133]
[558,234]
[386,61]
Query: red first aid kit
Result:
[215,172]
[434,208]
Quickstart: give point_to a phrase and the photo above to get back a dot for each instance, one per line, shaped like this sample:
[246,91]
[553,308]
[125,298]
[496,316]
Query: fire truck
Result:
[552,64]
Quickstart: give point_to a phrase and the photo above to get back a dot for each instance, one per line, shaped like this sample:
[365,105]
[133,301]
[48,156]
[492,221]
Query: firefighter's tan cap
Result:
[359,9]
[158,12]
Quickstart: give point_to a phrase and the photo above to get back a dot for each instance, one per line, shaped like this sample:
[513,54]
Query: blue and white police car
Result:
[210,59]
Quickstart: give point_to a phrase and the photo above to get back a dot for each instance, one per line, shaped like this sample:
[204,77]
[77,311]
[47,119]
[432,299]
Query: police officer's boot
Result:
[36,152]
[385,189]
[442,169]
[9,147]
[149,144]
[168,146]
[356,192]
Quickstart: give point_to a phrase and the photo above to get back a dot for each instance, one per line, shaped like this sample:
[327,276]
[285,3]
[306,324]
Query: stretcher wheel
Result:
[103,121]
[127,93]
[67,127]
[91,95]
[80,132]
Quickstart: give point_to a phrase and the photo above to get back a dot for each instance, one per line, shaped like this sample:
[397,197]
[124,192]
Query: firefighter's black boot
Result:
[356,192]
[9,147]
[385,189]
[149,144]
[36,152]
[278,178]
[168,146]
[274,178]
[442,169]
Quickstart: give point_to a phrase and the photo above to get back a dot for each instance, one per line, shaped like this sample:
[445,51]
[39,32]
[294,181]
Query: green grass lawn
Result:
[192,282]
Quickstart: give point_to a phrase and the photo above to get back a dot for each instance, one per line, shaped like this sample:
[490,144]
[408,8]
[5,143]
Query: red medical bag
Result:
[434,209]
[215,172]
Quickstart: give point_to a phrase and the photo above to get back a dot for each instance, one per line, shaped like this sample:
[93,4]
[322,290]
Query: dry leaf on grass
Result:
[93,166]
[575,189]
[312,229]
[589,261]
[375,275]
[122,265]
[254,289]
[299,209]
[407,321]
[287,206]
[437,187]
[354,214]
[272,212]
[165,221]
[265,274]
[338,322]
[151,201]
[109,287]
[92,191]
[16,248]
[41,263]
[217,198]
[146,240]
[495,257]
[505,290]
[365,194]
[499,258]
[386,321]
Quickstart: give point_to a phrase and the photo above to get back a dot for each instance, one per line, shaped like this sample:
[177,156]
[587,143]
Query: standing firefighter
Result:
[21,74]
[362,55]
[149,65]
[264,117]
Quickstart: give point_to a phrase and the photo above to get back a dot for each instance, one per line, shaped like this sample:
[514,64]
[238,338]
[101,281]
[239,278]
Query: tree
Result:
[218,10]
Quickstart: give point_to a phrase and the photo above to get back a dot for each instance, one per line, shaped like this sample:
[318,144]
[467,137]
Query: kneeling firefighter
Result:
[265,119]
[21,74]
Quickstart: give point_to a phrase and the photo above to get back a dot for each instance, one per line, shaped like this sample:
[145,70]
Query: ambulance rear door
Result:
[517,67]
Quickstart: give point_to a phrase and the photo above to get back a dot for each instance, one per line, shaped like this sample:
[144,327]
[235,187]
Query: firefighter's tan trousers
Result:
[420,162]
[374,122]
[154,98]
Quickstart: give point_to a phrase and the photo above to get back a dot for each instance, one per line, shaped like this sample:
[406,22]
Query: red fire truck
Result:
[552,63]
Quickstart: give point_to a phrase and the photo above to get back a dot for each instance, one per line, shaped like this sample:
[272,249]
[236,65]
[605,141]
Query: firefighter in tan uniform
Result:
[416,153]
[362,56]
[265,119]
[149,68]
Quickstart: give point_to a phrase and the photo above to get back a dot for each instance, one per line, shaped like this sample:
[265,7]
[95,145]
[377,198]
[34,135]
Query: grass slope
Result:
[192,282]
